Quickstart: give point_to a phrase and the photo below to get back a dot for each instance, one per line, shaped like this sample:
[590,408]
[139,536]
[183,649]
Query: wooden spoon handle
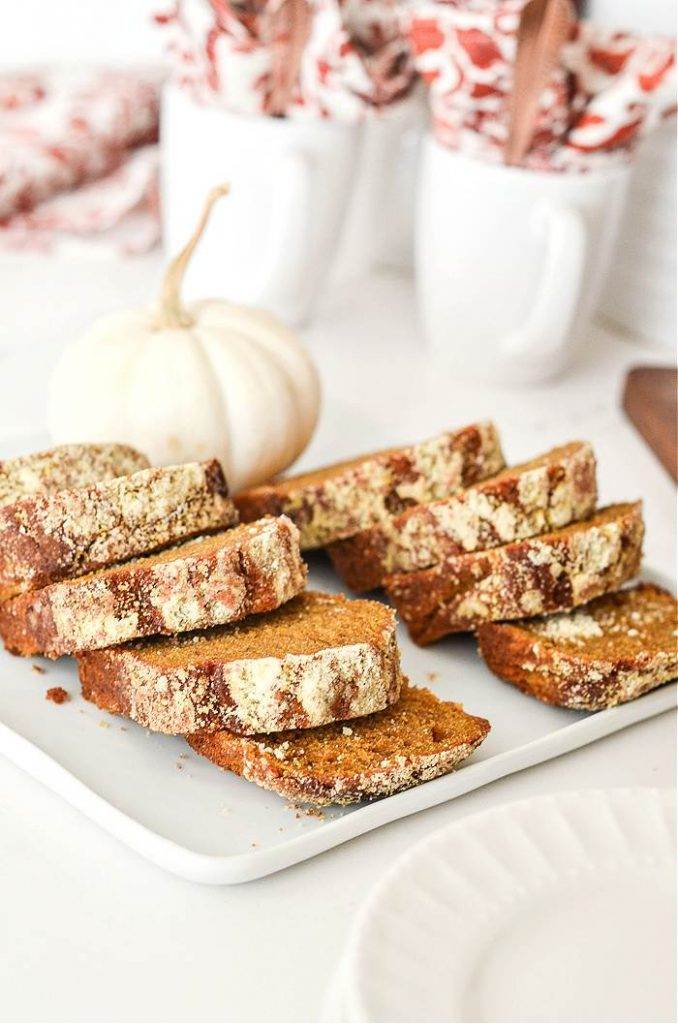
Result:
[545,26]
[289,29]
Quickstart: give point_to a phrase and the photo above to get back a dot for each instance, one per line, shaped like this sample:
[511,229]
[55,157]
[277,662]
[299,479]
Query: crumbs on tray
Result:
[57,694]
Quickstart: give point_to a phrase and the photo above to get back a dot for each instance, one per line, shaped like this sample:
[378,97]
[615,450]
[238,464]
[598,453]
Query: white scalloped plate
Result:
[173,807]
[558,908]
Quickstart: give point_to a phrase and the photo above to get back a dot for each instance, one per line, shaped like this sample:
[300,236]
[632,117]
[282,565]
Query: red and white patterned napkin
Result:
[356,57]
[76,158]
[628,85]
[609,89]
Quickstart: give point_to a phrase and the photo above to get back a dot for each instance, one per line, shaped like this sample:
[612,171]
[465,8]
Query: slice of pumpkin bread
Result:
[64,467]
[340,500]
[50,537]
[204,583]
[417,739]
[320,658]
[525,500]
[551,573]
[607,652]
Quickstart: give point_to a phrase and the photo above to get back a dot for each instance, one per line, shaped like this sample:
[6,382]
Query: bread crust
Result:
[54,536]
[254,695]
[552,673]
[524,501]
[554,572]
[266,761]
[242,572]
[341,500]
[64,467]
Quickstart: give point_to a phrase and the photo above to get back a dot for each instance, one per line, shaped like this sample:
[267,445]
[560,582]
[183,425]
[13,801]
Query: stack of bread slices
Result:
[188,611]
[193,624]
[522,556]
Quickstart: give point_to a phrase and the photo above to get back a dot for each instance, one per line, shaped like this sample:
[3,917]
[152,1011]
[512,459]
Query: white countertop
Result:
[91,931]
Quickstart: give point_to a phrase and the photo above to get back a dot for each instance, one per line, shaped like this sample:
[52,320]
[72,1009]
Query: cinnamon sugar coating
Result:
[608,652]
[554,572]
[417,739]
[219,579]
[338,501]
[318,659]
[523,501]
[53,536]
[65,467]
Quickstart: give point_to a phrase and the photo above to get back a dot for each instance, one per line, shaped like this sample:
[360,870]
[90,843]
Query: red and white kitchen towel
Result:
[77,158]
[77,147]
[354,58]
[608,89]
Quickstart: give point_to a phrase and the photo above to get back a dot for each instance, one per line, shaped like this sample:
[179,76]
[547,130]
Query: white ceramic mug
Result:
[379,225]
[640,293]
[271,242]
[510,263]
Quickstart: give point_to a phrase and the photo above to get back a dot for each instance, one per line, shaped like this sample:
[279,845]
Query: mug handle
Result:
[547,329]
[285,262]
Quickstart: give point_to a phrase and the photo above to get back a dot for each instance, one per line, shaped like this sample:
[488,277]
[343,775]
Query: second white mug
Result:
[272,241]
[510,263]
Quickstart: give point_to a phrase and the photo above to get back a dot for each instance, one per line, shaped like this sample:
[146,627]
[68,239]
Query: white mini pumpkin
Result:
[183,383]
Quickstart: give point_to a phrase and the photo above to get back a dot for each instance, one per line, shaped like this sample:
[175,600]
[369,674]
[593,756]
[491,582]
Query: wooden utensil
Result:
[288,29]
[651,403]
[545,26]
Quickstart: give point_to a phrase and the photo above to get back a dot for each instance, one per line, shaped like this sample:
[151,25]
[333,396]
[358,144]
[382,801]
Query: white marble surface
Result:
[89,931]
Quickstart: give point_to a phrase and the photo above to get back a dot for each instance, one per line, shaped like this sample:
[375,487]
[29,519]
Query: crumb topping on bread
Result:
[518,503]
[574,626]
[613,650]
[550,573]
[338,501]
[417,739]
[65,467]
[49,537]
[317,659]
[523,501]
[221,578]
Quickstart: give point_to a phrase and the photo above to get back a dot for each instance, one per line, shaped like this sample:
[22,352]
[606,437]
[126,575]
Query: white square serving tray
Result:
[156,795]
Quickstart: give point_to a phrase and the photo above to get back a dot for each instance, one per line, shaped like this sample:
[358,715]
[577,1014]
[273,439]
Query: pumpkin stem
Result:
[171,312]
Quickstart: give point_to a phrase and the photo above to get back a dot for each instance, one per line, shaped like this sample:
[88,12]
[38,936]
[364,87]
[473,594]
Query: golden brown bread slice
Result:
[338,501]
[607,652]
[417,739]
[555,572]
[207,582]
[318,659]
[522,501]
[53,536]
[64,467]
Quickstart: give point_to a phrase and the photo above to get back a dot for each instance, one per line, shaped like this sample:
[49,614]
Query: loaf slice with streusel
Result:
[525,500]
[66,467]
[50,537]
[340,500]
[204,583]
[554,572]
[609,651]
[318,659]
[417,739]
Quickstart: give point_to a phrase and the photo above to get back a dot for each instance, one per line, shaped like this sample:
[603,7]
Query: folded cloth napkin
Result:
[465,52]
[117,213]
[627,85]
[76,157]
[608,89]
[347,58]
